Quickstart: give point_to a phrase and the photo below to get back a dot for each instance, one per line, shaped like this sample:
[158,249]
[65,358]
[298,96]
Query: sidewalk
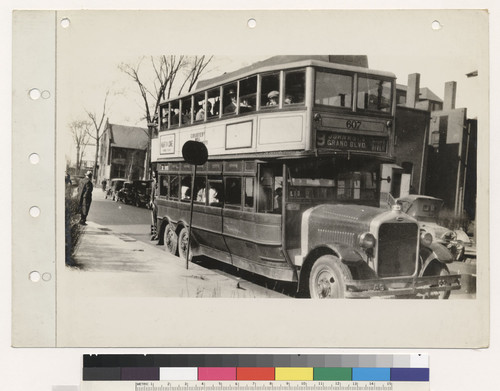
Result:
[148,270]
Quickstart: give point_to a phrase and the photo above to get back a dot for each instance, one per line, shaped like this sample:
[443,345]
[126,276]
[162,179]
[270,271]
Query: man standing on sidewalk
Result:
[154,207]
[86,198]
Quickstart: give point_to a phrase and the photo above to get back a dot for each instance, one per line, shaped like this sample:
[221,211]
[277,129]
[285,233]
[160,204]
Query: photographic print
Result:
[208,180]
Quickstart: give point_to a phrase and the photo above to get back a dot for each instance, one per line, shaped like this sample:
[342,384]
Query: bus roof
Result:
[290,62]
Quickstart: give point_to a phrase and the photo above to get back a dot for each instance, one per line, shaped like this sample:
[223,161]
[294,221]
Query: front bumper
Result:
[402,286]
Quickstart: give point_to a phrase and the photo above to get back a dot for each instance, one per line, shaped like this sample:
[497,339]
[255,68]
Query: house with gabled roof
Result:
[122,153]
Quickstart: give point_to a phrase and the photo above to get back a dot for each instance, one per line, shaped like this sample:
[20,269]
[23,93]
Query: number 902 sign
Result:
[353,124]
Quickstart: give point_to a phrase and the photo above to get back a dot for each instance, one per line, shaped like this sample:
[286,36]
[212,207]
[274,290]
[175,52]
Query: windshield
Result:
[336,90]
[335,180]
[374,94]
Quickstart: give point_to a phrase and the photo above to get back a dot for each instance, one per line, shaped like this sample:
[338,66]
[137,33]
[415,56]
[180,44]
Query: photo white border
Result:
[444,363]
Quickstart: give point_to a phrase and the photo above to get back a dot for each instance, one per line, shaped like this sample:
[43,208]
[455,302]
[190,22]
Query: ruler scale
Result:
[255,372]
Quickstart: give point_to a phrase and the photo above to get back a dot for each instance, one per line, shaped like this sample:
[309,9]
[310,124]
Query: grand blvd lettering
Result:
[350,142]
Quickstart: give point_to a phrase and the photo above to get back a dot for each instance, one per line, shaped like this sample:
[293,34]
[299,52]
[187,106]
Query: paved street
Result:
[130,224]
[117,240]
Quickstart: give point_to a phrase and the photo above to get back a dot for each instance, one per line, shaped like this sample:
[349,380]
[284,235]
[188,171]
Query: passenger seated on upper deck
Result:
[288,100]
[245,107]
[200,115]
[231,107]
[176,117]
[273,97]
[216,108]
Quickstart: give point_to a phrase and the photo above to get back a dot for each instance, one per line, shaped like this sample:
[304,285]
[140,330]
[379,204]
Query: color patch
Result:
[333,374]
[294,374]
[102,373]
[371,374]
[140,373]
[178,373]
[258,373]
[409,374]
[212,373]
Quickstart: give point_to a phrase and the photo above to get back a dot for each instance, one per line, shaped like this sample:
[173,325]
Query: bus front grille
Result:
[397,249]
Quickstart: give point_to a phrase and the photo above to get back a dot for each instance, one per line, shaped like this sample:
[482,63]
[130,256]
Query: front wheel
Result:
[170,240]
[328,278]
[438,269]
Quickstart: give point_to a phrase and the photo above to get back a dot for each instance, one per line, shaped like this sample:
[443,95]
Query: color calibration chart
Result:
[158,372]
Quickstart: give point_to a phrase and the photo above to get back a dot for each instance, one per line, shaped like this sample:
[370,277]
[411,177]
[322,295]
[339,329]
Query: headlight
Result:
[367,240]
[450,235]
[425,239]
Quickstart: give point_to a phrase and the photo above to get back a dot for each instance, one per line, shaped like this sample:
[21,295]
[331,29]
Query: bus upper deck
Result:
[305,105]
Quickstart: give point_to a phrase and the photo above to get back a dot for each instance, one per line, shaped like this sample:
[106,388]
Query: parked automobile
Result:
[114,187]
[426,210]
[126,193]
[142,192]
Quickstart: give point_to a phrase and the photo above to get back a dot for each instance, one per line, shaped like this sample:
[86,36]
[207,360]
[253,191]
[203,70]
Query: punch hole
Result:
[252,23]
[34,158]
[34,93]
[34,276]
[65,23]
[34,211]
[436,25]
[45,94]
[46,276]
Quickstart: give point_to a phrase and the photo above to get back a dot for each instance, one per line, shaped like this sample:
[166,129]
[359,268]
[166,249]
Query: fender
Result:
[435,251]
[345,253]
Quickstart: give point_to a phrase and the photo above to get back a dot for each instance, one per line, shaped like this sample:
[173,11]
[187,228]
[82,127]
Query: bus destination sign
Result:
[350,142]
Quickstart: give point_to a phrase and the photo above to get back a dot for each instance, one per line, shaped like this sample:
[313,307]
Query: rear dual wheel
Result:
[170,239]
[328,277]
[184,243]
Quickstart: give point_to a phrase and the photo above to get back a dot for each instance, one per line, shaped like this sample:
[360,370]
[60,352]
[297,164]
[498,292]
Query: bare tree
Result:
[165,70]
[81,137]
[97,123]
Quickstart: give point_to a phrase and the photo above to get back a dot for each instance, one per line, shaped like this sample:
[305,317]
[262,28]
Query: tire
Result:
[183,244]
[328,277]
[438,269]
[170,240]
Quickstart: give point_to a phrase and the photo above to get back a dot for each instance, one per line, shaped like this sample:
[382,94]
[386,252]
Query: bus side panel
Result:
[254,240]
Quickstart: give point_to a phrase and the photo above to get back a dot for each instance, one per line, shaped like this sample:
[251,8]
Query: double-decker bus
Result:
[299,181]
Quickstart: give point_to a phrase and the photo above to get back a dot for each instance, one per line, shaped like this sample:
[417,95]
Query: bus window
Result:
[278,194]
[333,89]
[248,94]
[233,192]
[186,111]
[270,87]
[186,188]
[213,104]
[174,187]
[249,192]
[175,110]
[164,118]
[200,184]
[199,107]
[163,185]
[229,99]
[294,87]
[266,186]
[215,192]
[374,94]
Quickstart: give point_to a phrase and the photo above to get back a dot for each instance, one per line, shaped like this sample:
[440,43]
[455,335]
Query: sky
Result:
[95,44]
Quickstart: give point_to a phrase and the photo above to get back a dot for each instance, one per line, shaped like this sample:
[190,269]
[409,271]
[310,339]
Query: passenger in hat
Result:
[86,198]
[231,107]
[273,97]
